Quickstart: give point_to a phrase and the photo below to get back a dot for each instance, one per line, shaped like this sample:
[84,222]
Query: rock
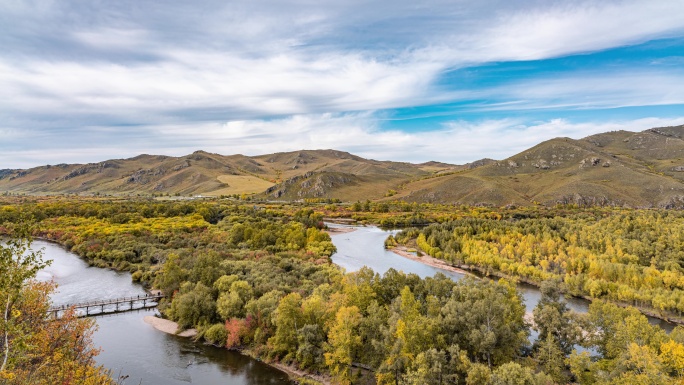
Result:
[542,164]
[588,162]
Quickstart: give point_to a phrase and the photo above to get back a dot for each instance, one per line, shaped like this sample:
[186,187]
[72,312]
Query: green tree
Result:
[261,311]
[231,304]
[194,305]
[171,276]
[512,373]
[550,359]
[552,317]
[479,374]
[310,339]
[582,367]
[430,367]
[486,319]
[287,319]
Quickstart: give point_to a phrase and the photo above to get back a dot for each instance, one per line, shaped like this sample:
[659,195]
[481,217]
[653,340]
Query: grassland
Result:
[240,184]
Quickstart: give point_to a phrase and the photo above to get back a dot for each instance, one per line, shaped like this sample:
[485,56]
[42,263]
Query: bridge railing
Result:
[105,302]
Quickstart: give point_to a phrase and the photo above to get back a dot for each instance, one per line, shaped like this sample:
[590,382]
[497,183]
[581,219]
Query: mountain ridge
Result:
[635,169]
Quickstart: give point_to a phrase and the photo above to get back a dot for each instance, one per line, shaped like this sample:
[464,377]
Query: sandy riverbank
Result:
[339,230]
[296,373]
[167,326]
[428,260]
[171,327]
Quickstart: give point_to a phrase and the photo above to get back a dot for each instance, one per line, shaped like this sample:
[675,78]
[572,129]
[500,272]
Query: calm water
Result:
[365,247]
[132,347]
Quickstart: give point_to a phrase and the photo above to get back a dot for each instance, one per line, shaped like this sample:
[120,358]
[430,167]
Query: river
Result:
[149,357]
[365,247]
[133,348]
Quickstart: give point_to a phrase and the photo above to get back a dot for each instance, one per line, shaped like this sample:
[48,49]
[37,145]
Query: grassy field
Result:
[241,184]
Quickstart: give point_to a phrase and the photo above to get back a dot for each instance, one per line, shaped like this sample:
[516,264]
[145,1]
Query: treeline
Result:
[634,257]
[138,236]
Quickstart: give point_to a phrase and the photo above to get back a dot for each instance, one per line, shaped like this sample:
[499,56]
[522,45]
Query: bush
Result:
[216,335]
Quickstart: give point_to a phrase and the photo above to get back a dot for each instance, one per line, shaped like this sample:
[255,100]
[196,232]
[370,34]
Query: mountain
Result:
[321,173]
[642,169]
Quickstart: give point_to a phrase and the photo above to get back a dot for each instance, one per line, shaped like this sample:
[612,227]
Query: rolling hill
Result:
[642,169]
[337,174]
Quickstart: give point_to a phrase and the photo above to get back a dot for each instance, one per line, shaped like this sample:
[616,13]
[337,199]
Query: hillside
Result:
[644,169]
[338,174]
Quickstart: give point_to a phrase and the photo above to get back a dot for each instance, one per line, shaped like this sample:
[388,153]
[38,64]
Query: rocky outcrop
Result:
[590,162]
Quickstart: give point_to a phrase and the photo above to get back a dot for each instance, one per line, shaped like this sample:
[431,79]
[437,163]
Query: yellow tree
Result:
[672,356]
[343,340]
[35,349]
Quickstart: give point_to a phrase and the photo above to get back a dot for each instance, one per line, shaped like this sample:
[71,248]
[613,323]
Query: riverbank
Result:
[297,374]
[168,326]
[339,230]
[478,272]
[430,261]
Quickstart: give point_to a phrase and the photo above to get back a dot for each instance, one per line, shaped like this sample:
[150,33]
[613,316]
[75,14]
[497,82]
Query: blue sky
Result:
[453,81]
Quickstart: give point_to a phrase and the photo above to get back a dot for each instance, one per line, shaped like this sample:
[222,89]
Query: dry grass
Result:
[241,184]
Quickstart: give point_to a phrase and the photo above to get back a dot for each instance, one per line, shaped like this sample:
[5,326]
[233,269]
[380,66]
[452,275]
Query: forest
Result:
[258,278]
[633,257]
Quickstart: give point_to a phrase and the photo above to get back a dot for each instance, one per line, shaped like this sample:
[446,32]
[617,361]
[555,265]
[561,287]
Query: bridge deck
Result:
[116,302]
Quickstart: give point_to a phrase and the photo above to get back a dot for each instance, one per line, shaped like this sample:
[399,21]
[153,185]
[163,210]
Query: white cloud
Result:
[589,90]
[456,142]
[291,75]
[576,27]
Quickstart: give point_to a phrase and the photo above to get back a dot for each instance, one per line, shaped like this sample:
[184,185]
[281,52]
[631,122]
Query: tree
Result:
[171,276]
[19,264]
[232,303]
[672,356]
[512,374]
[430,367]
[310,351]
[550,359]
[552,317]
[343,340]
[479,374]
[581,367]
[261,311]
[640,365]
[193,305]
[35,349]
[287,319]
[486,319]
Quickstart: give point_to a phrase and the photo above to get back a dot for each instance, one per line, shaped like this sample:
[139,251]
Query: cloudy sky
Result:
[454,81]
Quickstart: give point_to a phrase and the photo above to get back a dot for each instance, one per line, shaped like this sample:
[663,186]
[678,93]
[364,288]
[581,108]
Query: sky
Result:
[452,81]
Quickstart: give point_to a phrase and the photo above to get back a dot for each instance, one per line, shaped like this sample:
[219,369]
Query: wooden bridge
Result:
[107,306]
